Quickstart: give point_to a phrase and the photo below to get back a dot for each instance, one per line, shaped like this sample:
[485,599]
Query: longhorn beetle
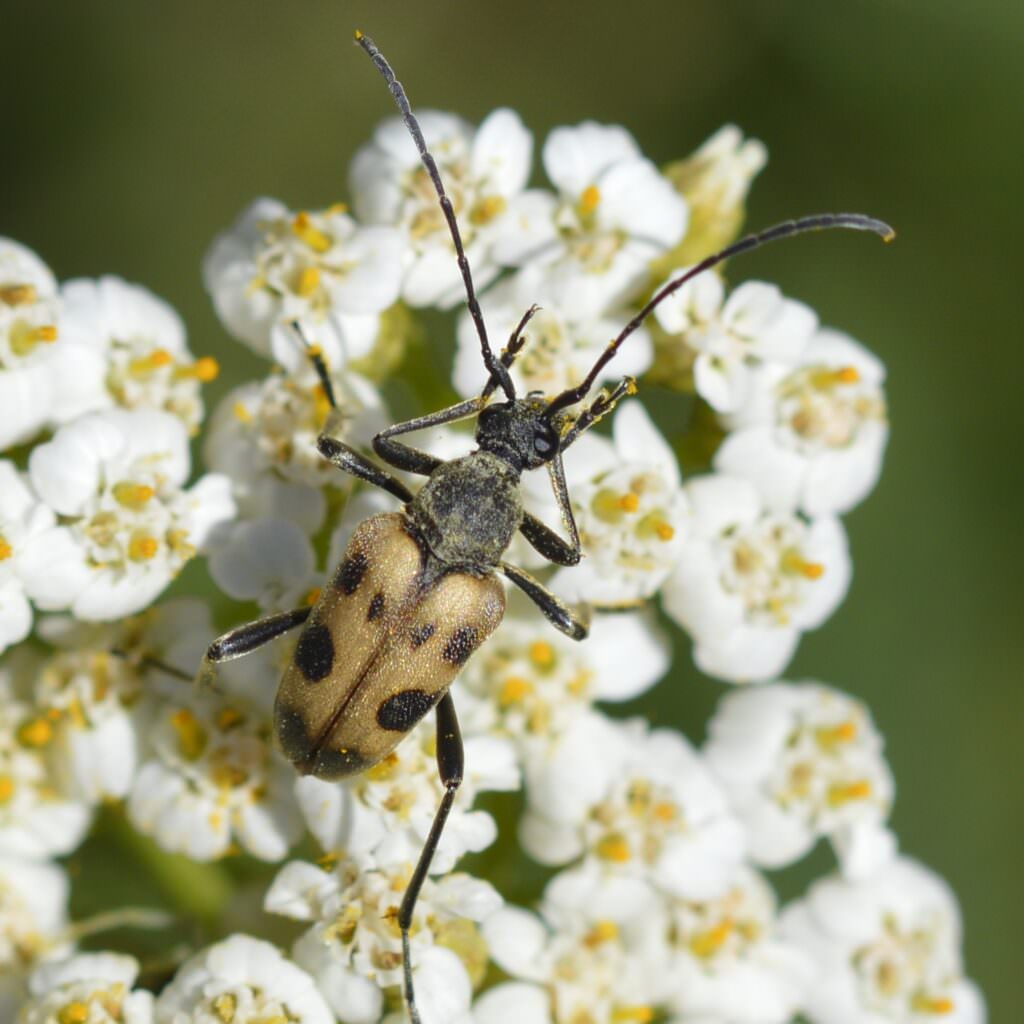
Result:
[417,591]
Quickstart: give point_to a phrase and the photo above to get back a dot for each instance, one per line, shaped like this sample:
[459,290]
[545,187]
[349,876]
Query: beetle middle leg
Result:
[556,611]
[244,639]
[450,765]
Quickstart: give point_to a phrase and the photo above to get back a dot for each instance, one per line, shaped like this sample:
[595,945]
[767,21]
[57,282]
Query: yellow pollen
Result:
[203,370]
[615,848]
[844,793]
[309,281]
[6,788]
[191,734]
[337,209]
[35,733]
[708,943]
[25,338]
[629,502]
[514,690]
[312,597]
[241,413]
[844,732]
[794,563]
[542,654]
[143,547]
[847,375]
[487,209]
[145,365]
[224,1006]
[813,570]
[922,1003]
[665,531]
[160,357]
[132,495]
[664,811]
[5,548]
[590,199]
[633,1015]
[75,1012]
[307,232]
[228,776]
[359,34]
[603,931]
[18,294]
[47,333]
[228,718]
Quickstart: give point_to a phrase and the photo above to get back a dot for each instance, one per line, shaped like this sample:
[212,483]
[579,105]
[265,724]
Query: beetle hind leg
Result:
[570,621]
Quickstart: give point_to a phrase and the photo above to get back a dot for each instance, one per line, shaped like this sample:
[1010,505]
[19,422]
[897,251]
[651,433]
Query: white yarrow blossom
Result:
[812,434]
[321,268]
[354,947]
[484,171]
[94,988]
[263,436]
[44,378]
[748,582]
[559,350]
[128,524]
[660,818]
[729,338]
[33,915]
[886,949]
[630,509]
[141,341]
[801,761]
[211,776]
[614,213]
[244,981]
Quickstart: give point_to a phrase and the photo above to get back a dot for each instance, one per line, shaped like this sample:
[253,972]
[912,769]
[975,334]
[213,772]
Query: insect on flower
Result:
[417,591]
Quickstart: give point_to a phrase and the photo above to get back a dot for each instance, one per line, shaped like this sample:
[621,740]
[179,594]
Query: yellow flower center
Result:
[35,733]
[76,1012]
[191,734]
[142,547]
[832,736]
[203,370]
[795,564]
[18,294]
[487,208]
[514,690]
[5,548]
[132,495]
[306,231]
[844,793]
[707,943]
[147,365]
[542,654]
[590,199]
[25,337]
[614,847]
[633,1015]
[923,1003]
[308,282]
[6,789]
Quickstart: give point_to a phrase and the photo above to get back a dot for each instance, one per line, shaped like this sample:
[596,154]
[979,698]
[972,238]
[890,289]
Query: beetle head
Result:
[521,432]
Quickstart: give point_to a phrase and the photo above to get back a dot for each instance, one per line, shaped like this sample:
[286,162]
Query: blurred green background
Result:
[132,133]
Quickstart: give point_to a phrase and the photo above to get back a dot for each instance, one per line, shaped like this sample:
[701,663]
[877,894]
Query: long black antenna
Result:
[494,366]
[818,222]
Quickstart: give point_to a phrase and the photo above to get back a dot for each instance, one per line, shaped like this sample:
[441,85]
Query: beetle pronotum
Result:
[417,590]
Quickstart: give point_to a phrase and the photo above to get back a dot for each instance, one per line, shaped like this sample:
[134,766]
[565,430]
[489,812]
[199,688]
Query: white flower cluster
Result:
[658,906]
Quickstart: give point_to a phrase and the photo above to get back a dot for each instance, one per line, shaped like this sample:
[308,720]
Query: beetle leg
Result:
[559,614]
[245,639]
[347,459]
[542,537]
[413,460]
[450,761]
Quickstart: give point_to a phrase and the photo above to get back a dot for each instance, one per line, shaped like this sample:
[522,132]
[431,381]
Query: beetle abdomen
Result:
[380,649]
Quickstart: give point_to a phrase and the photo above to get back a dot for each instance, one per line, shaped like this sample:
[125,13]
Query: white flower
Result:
[530,681]
[747,582]
[212,776]
[802,761]
[43,377]
[560,350]
[630,511]
[263,436]
[385,813]
[33,912]
[614,213]
[90,987]
[25,524]
[812,435]
[661,816]
[599,953]
[117,478]
[885,949]
[354,949]
[730,338]
[275,266]
[242,980]
[730,963]
[37,819]
[141,341]
[484,172]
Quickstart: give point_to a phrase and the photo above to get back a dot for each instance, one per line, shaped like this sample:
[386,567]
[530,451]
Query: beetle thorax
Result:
[469,509]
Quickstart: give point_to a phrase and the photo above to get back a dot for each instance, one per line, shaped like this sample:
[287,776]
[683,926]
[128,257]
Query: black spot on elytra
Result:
[337,764]
[350,573]
[314,655]
[376,607]
[461,645]
[421,634]
[292,733]
[401,712]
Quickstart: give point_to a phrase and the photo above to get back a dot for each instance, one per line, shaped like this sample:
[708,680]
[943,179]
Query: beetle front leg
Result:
[542,538]
[244,639]
[450,762]
[413,460]
[556,611]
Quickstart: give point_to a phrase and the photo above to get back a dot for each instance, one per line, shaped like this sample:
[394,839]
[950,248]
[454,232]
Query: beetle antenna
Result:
[494,366]
[817,222]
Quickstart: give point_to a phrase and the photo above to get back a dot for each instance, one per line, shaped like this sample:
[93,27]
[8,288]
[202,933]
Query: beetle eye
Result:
[543,444]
